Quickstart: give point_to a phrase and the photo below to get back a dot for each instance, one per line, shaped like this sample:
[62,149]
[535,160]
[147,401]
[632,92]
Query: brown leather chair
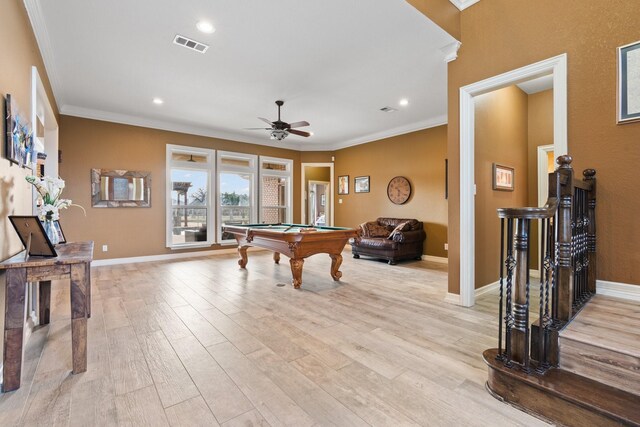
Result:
[392,239]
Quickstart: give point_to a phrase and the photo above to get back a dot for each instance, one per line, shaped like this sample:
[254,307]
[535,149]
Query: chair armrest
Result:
[409,236]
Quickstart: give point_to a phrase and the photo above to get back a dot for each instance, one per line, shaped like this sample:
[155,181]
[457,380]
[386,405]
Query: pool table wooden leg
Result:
[276,257]
[242,251]
[296,271]
[336,261]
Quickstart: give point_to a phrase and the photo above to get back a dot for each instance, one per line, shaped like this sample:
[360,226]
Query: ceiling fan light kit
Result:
[279,130]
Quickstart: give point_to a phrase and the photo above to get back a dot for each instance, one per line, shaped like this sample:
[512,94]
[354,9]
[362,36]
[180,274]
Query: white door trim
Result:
[557,66]
[303,195]
[543,190]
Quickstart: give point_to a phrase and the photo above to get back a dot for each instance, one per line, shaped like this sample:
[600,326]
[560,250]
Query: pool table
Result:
[295,241]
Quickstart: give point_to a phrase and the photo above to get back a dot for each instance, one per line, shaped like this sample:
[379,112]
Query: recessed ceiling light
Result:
[404,102]
[158,101]
[205,27]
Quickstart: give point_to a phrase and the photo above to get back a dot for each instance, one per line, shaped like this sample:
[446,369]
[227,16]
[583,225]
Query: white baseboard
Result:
[618,290]
[438,259]
[165,257]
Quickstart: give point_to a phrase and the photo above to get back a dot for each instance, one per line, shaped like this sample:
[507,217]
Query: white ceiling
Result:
[335,63]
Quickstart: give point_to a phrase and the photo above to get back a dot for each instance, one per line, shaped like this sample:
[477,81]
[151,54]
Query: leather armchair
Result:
[392,239]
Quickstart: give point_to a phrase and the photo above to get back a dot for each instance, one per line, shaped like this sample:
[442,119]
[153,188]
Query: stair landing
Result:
[603,343]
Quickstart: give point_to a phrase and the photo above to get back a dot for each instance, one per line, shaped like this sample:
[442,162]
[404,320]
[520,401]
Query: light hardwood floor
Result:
[200,342]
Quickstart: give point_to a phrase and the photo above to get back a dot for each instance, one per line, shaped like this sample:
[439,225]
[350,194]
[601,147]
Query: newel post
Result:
[563,186]
[590,177]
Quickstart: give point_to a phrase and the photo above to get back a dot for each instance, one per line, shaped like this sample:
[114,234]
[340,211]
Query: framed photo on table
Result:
[33,236]
[361,184]
[503,177]
[629,83]
[343,184]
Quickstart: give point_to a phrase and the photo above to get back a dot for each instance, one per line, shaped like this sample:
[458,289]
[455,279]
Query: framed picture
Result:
[361,184]
[629,83]
[343,184]
[32,235]
[503,177]
[114,188]
[18,147]
[58,227]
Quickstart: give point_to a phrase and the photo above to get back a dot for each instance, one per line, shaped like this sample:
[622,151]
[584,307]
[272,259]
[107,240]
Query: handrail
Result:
[568,261]
[544,212]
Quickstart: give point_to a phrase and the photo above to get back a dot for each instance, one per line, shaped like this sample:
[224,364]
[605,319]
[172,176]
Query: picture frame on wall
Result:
[18,146]
[503,178]
[629,83]
[343,184]
[361,184]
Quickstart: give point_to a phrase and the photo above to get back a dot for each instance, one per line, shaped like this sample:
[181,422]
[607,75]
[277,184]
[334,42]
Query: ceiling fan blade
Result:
[299,132]
[299,124]
[256,128]
[265,120]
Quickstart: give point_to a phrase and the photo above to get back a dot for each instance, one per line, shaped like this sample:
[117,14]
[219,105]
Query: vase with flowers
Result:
[50,202]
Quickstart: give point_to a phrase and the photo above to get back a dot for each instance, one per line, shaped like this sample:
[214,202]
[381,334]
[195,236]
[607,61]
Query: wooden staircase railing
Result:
[567,278]
[525,369]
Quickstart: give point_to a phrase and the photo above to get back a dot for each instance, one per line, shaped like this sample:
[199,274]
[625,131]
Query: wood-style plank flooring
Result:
[200,342]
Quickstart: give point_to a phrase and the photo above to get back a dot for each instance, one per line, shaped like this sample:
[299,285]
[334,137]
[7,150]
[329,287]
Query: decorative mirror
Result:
[113,188]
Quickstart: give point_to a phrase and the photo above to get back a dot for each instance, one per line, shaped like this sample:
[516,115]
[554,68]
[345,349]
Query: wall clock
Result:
[399,190]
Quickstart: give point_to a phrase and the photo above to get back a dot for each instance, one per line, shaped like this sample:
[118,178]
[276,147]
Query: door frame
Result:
[303,198]
[543,189]
[557,67]
[328,185]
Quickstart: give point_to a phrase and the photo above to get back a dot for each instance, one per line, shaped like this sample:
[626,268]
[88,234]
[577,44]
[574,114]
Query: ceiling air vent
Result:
[388,109]
[190,44]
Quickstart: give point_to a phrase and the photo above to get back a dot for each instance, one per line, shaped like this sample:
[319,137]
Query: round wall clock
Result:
[399,190]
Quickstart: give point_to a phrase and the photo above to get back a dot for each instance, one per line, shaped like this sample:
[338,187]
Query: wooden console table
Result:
[73,262]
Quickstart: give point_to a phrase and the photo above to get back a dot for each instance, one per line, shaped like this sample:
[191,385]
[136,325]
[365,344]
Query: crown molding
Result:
[39,28]
[450,51]
[413,127]
[89,113]
[463,4]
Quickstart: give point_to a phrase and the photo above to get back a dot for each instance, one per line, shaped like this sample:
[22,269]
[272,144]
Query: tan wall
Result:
[500,137]
[540,133]
[20,52]
[129,232]
[502,35]
[419,156]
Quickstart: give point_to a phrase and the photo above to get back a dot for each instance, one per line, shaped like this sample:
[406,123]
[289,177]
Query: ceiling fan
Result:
[279,129]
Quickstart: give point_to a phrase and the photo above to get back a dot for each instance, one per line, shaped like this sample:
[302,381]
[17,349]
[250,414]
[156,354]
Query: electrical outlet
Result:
[446,246]
[105,248]
[339,201]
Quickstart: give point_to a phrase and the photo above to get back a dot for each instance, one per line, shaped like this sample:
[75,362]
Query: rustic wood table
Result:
[73,262]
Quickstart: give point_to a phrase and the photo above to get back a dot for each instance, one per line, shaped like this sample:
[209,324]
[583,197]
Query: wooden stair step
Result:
[603,343]
[562,396]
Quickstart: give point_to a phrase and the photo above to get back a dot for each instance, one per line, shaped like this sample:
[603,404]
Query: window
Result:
[275,190]
[237,198]
[189,206]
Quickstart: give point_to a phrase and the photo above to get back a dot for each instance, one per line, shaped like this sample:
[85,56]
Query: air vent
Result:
[388,109]
[190,44]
